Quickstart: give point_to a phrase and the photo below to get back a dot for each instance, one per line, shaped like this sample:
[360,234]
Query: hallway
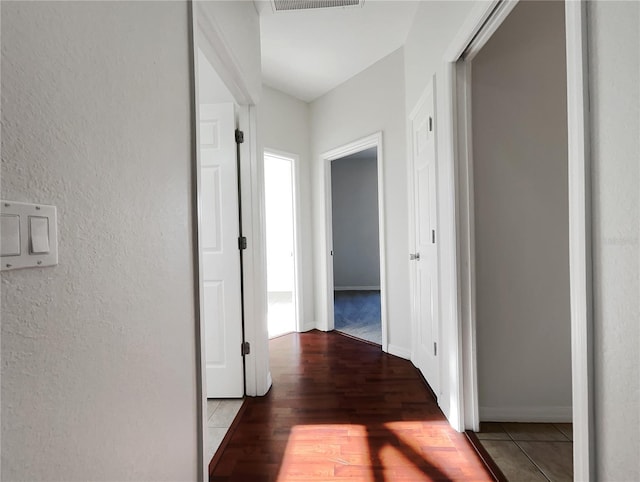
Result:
[340,409]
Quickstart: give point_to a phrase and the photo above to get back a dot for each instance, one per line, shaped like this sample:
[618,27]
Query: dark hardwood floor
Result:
[340,410]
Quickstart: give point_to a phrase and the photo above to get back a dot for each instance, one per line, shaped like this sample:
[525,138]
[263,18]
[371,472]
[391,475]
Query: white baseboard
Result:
[399,351]
[548,414]
[356,288]
[308,327]
[269,381]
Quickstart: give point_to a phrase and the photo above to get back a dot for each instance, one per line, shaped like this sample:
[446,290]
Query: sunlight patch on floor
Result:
[324,450]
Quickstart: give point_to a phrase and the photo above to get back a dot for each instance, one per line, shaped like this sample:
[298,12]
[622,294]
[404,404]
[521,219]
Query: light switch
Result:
[10,232]
[38,235]
[29,235]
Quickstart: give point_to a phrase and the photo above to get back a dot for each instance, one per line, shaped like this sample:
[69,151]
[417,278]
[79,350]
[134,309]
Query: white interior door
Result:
[220,256]
[425,289]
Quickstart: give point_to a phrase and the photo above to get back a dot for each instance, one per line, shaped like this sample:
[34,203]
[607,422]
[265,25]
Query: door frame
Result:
[478,28]
[327,322]
[205,34]
[297,241]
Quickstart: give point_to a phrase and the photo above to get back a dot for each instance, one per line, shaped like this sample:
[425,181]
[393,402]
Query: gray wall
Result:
[98,353]
[354,197]
[371,101]
[521,203]
[284,125]
[615,115]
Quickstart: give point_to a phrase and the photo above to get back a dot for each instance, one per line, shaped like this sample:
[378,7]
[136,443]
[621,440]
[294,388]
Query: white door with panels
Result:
[425,258]
[219,252]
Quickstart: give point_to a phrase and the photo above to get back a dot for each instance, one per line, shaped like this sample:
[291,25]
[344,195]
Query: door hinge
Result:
[239,136]
[245,348]
[433,236]
[242,242]
[430,124]
[435,349]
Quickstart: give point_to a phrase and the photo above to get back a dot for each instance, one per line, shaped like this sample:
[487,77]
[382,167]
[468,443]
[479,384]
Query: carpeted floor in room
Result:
[357,313]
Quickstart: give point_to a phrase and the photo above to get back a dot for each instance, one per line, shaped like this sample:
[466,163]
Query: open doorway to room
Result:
[352,248]
[356,247]
[280,220]
[516,170]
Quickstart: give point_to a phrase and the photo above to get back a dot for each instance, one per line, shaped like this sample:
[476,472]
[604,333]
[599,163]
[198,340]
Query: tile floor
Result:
[220,415]
[281,313]
[530,451]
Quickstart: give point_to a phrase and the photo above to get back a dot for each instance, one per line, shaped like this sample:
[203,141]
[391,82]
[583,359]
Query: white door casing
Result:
[424,259]
[219,253]
[326,236]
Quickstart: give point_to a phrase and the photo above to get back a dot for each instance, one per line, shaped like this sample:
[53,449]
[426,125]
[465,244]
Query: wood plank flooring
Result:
[341,410]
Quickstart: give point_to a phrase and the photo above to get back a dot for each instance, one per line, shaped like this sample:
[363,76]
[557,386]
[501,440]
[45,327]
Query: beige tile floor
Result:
[281,313]
[530,452]
[220,415]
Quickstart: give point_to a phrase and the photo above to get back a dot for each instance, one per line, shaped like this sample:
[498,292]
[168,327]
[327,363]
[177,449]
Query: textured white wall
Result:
[434,27]
[356,247]
[284,126]
[98,353]
[370,102]
[519,104]
[615,114]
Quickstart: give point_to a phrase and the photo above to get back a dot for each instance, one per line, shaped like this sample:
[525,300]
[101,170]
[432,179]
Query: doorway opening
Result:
[281,246]
[355,289]
[356,250]
[515,243]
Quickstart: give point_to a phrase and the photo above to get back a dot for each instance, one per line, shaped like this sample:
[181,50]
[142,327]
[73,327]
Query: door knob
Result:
[414,257]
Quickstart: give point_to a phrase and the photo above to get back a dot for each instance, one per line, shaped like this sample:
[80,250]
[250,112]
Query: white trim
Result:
[399,351]
[580,255]
[254,257]
[534,414]
[200,342]
[498,15]
[269,380]
[452,343]
[297,238]
[466,245]
[310,325]
[472,24]
[356,288]
[326,241]
[579,227]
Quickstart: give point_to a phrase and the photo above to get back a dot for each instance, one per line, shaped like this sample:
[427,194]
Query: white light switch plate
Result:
[37,236]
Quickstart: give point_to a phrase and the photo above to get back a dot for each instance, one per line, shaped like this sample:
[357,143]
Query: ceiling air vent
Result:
[283,5]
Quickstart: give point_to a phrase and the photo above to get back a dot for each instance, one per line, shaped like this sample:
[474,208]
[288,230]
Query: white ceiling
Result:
[307,53]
